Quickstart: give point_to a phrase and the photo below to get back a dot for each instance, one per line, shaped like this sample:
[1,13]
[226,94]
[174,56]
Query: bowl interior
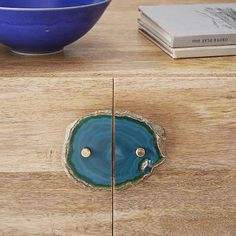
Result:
[46,3]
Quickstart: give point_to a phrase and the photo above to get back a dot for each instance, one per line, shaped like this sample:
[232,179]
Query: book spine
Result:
[205,52]
[204,41]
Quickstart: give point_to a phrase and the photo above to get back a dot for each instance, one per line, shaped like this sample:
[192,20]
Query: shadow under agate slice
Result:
[95,133]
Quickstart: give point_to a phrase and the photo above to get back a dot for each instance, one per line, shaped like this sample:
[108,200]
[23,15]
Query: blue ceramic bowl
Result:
[46,26]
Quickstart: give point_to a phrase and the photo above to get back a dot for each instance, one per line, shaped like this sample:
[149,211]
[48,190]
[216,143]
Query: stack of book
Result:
[184,31]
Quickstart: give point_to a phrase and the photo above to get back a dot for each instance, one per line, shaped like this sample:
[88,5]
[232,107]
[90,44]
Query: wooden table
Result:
[192,193]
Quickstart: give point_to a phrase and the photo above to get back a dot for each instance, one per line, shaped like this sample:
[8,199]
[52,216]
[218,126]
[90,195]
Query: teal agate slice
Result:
[95,132]
[131,134]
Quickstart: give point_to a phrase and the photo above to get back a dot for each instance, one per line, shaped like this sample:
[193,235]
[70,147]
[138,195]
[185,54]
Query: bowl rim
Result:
[53,8]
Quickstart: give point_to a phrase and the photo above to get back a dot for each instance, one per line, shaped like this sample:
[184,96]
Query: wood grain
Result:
[48,203]
[193,192]
[179,202]
[36,196]
[35,113]
[113,47]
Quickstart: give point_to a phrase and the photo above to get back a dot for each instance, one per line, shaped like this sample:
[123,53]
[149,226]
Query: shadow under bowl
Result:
[46,27]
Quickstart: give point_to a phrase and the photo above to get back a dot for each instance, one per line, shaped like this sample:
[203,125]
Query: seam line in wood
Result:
[113,152]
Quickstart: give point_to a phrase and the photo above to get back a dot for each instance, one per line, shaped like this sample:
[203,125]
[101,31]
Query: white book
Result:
[195,25]
[190,52]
